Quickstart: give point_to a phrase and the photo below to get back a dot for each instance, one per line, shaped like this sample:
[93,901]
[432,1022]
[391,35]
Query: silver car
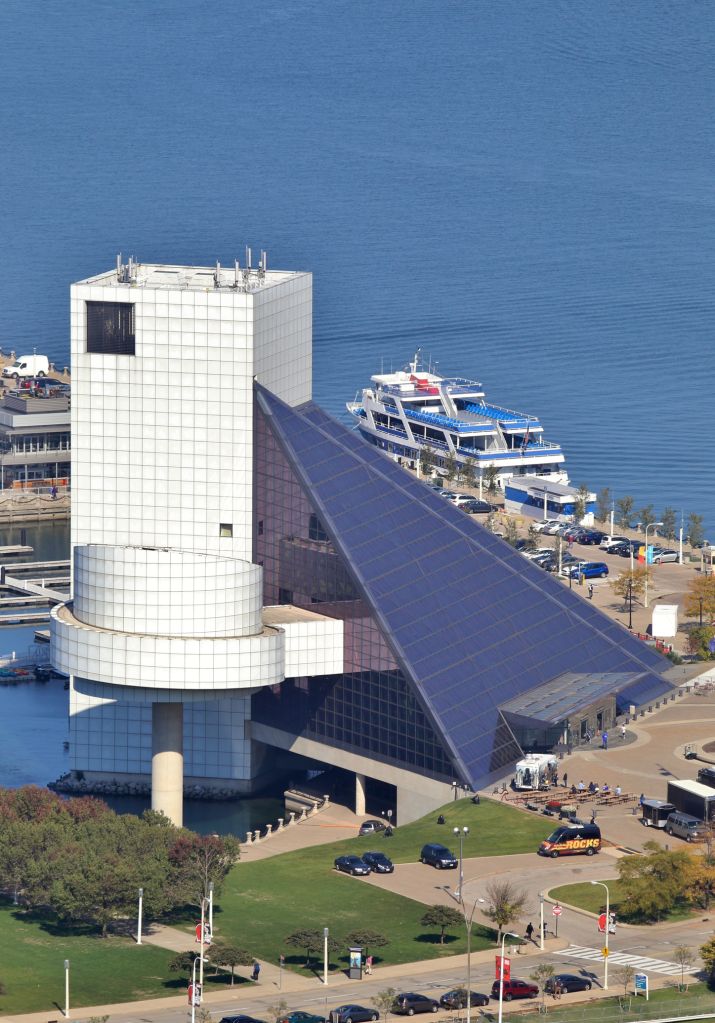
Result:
[660,557]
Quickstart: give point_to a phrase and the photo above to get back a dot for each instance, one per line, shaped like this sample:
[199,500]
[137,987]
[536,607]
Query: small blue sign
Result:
[641,981]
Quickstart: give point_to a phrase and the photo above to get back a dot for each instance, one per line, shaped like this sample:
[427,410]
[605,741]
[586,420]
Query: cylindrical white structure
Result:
[167,760]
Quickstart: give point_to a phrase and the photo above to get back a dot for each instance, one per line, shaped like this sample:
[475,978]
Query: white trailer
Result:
[535,771]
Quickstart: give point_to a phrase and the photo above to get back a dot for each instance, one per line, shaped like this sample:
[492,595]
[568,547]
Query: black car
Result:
[371,827]
[409,1003]
[438,856]
[475,507]
[567,982]
[591,536]
[351,865]
[352,1014]
[240,1019]
[457,999]
[378,862]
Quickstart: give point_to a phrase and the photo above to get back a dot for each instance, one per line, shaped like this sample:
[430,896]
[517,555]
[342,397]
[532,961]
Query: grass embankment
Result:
[263,902]
[591,898]
[664,1002]
[102,970]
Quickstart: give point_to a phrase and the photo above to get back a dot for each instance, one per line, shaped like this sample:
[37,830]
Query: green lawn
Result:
[263,902]
[101,970]
[665,1002]
[591,897]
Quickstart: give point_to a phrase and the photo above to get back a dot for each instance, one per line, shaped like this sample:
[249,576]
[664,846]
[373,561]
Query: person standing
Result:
[368,965]
[256,970]
[566,779]
[530,932]
[623,733]
[604,740]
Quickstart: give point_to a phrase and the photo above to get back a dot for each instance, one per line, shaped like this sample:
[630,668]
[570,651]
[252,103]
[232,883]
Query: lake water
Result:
[523,190]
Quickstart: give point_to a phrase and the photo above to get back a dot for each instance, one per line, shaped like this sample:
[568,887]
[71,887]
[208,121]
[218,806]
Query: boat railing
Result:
[501,412]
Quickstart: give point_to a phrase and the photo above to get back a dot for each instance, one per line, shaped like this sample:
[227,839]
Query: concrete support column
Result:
[167,760]
[359,794]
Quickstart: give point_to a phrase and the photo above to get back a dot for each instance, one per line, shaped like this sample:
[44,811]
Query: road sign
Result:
[557,910]
[602,923]
[641,984]
[604,951]
[507,967]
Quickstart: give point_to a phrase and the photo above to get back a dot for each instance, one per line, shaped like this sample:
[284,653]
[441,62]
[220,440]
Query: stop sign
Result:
[557,910]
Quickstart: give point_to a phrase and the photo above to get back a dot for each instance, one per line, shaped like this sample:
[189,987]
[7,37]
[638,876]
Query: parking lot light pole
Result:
[139,916]
[650,525]
[608,920]
[541,921]
[67,989]
[505,935]
[211,909]
[462,833]
[326,934]
[468,924]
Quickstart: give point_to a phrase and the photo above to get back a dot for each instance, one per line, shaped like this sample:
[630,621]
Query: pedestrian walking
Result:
[566,779]
[641,799]
[256,970]
[623,733]
[368,965]
[530,932]
[590,591]
[604,740]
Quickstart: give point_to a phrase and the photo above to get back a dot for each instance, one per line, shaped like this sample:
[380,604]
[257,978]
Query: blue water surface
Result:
[524,190]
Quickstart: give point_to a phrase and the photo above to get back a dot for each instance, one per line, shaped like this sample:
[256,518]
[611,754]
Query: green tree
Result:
[490,480]
[646,516]
[311,941]
[698,642]
[384,1001]
[469,477]
[685,958]
[366,939]
[450,467]
[668,518]
[701,588]
[427,461]
[696,534]
[624,975]
[542,973]
[505,903]
[442,917]
[635,581]
[624,511]
[511,533]
[707,954]
[581,502]
[183,962]
[230,956]
[199,860]
[604,503]
[654,883]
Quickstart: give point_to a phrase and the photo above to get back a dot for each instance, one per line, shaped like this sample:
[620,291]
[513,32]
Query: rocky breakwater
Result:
[75,784]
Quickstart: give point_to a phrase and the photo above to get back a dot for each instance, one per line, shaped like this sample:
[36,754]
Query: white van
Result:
[28,366]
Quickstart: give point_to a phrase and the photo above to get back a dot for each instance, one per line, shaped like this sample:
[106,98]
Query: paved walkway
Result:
[329,825]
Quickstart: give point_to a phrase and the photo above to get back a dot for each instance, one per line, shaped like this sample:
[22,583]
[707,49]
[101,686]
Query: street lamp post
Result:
[462,833]
[630,603]
[139,916]
[326,934]
[608,920]
[67,989]
[700,601]
[650,525]
[468,925]
[506,935]
[211,908]
[193,989]
[204,904]
[454,789]
[541,921]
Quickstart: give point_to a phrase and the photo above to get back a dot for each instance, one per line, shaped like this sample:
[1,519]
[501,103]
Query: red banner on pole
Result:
[197,930]
[507,968]
[602,923]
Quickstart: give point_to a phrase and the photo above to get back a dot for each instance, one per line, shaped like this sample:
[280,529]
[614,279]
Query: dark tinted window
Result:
[110,328]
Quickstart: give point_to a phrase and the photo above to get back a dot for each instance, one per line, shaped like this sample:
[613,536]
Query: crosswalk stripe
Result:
[624,958]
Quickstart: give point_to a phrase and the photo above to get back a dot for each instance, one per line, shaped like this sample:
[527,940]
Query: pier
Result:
[27,595]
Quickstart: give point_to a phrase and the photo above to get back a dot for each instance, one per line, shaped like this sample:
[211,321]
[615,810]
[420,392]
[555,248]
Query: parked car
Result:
[544,525]
[573,534]
[372,827]
[352,1014]
[553,528]
[438,856]
[300,1017]
[523,545]
[378,862]
[588,569]
[240,1018]
[459,499]
[515,989]
[409,1003]
[660,557]
[706,776]
[351,865]
[684,825]
[567,982]
[537,552]
[474,506]
[457,999]
[591,536]
[611,539]
[623,550]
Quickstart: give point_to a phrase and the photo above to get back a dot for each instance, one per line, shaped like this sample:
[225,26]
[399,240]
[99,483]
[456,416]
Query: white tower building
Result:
[166,612]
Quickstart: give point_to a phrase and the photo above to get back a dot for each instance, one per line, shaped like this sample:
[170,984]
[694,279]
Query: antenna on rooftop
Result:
[248,257]
[119,266]
[217,275]
[236,272]
[262,265]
